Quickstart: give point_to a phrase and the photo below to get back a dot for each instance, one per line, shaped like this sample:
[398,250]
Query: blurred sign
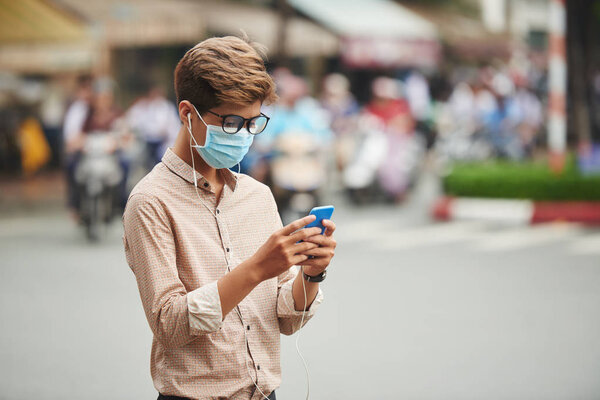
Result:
[392,53]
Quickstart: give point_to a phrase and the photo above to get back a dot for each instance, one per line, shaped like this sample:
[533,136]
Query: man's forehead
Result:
[244,110]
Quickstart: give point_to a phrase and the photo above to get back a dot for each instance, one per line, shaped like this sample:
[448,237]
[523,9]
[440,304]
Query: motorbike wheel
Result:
[94,219]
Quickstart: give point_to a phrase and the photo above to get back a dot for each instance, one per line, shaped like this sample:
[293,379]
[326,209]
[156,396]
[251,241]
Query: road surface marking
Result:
[528,236]
[429,235]
[590,244]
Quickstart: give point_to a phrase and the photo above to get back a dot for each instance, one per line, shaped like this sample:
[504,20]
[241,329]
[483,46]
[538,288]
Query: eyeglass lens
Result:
[258,124]
[233,124]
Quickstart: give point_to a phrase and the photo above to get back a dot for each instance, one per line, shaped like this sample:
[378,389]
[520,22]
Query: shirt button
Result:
[218,212]
[227,249]
[258,367]
[248,327]
[205,184]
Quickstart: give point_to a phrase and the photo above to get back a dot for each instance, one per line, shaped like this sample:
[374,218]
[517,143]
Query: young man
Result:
[211,259]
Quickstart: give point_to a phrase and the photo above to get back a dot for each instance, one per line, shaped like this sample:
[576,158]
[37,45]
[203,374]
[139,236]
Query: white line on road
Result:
[590,244]
[361,231]
[528,236]
[437,234]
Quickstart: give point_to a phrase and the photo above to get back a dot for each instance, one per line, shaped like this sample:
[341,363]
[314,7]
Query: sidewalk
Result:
[43,191]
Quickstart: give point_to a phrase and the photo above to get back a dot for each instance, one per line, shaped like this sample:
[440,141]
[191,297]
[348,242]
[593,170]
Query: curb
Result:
[525,212]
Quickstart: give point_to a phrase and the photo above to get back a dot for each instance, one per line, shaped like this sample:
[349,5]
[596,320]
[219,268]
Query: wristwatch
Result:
[317,278]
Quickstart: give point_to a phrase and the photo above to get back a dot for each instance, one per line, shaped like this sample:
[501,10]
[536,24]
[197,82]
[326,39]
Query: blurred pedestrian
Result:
[52,112]
[337,100]
[35,151]
[419,100]
[76,115]
[296,111]
[386,101]
[343,113]
[297,116]
[154,119]
[528,114]
[404,150]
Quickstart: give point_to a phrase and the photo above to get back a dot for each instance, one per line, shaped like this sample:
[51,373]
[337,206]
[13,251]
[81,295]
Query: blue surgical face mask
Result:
[221,149]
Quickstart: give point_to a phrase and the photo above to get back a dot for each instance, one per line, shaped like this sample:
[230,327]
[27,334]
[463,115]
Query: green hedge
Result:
[523,180]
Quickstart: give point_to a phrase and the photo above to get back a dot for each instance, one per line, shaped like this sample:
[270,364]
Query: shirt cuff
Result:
[285,303]
[204,309]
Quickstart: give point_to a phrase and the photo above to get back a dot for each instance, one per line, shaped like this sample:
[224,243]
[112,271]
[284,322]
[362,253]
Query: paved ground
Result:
[413,310]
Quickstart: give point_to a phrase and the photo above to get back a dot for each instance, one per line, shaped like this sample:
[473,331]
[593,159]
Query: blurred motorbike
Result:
[98,175]
[381,165]
[297,172]
[461,145]
[363,160]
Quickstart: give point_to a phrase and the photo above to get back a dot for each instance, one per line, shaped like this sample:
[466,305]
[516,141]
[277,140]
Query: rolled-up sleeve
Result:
[150,252]
[290,319]
[204,306]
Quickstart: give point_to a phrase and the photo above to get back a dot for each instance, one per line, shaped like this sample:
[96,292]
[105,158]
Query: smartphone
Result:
[323,212]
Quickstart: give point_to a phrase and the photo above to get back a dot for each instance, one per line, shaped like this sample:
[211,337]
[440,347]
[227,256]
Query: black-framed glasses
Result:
[232,123]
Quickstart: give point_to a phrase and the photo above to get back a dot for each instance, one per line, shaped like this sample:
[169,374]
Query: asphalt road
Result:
[413,310]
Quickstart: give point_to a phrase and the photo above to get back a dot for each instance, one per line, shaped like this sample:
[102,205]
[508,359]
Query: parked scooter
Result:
[297,172]
[98,175]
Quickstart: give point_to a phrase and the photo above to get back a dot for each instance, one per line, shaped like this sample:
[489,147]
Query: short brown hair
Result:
[223,70]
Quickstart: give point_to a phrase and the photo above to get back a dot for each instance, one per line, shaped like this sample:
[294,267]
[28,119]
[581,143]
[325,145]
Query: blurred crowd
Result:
[373,149]
[58,125]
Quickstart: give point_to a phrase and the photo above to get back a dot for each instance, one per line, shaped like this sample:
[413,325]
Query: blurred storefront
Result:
[137,40]
[39,37]
[380,37]
[376,33]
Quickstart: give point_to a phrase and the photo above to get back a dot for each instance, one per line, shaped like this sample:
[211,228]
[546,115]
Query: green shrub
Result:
[522,180]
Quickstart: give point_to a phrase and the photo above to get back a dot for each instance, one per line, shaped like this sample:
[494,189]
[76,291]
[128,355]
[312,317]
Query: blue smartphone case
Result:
[323,212]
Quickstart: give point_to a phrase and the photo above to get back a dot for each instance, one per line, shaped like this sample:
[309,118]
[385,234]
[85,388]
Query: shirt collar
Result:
[184,170]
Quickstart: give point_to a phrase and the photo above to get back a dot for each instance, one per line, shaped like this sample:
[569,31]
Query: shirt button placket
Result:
[224,237]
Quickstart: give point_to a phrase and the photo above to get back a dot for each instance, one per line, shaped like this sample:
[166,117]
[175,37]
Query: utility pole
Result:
[578,23]
[557,86]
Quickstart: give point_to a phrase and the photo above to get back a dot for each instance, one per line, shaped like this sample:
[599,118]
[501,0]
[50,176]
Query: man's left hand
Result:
[322,254]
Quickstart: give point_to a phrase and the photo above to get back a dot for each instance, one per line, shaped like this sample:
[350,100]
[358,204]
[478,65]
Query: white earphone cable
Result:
[298,336]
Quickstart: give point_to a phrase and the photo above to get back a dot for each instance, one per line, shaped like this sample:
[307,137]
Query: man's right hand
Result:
[282,250]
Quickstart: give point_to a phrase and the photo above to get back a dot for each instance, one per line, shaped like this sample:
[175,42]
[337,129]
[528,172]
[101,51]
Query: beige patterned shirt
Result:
[178,249]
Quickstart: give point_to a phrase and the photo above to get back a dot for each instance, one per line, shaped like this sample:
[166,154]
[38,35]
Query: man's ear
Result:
[185,109]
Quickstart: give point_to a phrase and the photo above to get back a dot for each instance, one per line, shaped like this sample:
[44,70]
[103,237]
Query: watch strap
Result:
[316,278]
